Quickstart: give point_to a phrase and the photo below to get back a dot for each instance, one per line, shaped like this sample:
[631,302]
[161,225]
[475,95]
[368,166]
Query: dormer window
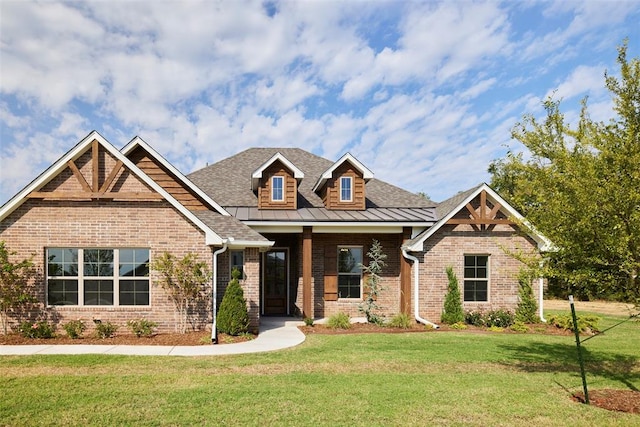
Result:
[346,189]
[277,189]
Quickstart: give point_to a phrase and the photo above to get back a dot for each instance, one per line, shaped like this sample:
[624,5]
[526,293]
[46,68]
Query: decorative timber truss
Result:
[486,214]
[95,189]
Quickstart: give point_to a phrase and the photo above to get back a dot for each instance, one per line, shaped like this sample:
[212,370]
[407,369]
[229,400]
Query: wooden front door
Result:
[274,284]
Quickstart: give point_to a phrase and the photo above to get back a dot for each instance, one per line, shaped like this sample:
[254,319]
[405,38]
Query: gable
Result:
[288,187]
[332,191]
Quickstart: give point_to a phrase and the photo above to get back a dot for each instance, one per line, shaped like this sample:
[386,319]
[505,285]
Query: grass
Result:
[452,378]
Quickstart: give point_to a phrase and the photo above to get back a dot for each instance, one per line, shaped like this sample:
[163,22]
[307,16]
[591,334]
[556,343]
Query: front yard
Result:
[449,378]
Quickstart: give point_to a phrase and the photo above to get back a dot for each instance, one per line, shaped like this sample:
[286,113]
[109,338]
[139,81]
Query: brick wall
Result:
[448,246]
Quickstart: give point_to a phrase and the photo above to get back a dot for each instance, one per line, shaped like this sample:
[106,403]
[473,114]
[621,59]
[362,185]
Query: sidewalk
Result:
[275,334]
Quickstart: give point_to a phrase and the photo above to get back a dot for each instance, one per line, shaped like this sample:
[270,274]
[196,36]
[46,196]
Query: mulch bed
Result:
[613,400]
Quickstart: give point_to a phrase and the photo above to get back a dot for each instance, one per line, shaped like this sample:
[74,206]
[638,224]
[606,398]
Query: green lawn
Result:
[436,378]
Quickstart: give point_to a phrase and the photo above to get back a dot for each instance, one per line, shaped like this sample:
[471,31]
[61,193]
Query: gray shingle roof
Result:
[228,182]
[228,226]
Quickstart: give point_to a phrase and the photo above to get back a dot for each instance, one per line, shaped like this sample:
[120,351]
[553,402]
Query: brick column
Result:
[251,286]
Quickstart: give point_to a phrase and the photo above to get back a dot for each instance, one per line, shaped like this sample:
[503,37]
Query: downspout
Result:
[541,295]
[214,291]
[416,284]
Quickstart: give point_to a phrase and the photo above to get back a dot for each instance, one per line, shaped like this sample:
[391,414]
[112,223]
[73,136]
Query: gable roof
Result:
[139,142]
[257,175]
[447,209]
[326,175]
[211,237]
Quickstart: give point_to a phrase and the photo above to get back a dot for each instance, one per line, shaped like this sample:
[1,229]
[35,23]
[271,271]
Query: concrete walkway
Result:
[275,334]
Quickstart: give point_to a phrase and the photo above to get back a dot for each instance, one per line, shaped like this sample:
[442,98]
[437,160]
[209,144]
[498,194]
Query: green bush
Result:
[527,309]
[519,327]
[233,316]
[452,312]
[401,321]
[74,328]
[500,318]
[42,329]
[587,323]
[105,330]
[142,327]
[475,318]
[308,321]
[458,325]
[339,321]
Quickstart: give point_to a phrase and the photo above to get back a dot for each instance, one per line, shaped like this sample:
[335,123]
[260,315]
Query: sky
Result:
[423,93]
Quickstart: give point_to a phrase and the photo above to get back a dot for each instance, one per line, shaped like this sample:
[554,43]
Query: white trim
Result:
[211,237]
[256,176]
[137,141]
[366,173]
[544,244]
[328,226]
[350,199]
[273,188]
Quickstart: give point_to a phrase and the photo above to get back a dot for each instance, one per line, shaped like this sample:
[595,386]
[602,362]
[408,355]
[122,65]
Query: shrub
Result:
[308,321]
[526,311]
[401,321]
[42,329]
[500,318]
[587,323]
[105,329]
[74,328]
[458,325]
[495,329]
[475,318]
[233,316]
[452,302]
[142,327]
[369,307]
[339,321]
[519,327]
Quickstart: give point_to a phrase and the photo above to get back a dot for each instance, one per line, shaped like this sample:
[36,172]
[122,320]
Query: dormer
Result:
[276,183]
[342,186]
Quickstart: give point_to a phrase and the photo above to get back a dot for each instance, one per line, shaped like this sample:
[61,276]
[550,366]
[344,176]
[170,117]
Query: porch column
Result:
[405,276]
[307,306]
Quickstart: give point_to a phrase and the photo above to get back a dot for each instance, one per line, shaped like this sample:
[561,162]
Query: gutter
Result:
[416,284]
[214,292]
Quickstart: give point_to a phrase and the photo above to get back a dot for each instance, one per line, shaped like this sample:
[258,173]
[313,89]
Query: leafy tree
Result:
[580,186]
[15,287]
[185,281]
[376,262]
[527,309]
[233,316]
[452,312]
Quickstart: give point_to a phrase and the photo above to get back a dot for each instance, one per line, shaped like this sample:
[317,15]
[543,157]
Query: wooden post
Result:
[307,258]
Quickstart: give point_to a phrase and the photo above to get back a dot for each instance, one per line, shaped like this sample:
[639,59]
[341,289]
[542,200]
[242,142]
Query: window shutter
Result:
[330,273]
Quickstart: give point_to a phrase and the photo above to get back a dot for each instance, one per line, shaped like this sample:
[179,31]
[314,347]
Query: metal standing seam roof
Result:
[228,182]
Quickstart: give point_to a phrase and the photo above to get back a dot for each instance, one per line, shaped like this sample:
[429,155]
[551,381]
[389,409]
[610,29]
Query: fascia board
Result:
[326,175]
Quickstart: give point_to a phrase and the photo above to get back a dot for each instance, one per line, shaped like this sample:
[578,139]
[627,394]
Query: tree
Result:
[15,289]
[452,312]
[233,317]
[185,281]
[580,186]
[376,262]
[527,309]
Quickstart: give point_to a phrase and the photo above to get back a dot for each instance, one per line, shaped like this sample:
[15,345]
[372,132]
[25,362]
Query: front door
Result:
[274,283]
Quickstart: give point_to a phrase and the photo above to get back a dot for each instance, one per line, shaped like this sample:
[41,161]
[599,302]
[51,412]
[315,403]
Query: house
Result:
[297,225]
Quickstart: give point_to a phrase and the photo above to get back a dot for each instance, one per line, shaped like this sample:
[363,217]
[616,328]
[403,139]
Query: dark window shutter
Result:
[330,273]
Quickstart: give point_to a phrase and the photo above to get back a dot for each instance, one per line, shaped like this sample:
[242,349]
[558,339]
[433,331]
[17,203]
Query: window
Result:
[349,272]
[345,189]
[236,260]
[476,278]
[104,277]
[277,188]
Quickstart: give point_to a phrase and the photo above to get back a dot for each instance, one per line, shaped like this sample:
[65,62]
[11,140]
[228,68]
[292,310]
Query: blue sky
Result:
[423,93]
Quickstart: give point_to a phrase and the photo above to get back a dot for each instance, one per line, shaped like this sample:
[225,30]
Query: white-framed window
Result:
[277,188]
[349,271]
[98,276]
[236,260]
[476,278]
[346,189]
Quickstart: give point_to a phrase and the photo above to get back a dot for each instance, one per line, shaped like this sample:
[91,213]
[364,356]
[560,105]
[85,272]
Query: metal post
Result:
[577,333]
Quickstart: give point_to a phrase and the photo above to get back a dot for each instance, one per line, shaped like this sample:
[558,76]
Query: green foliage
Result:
[74,328]
[308,321]
[458,325]
[519,326]
[452,312]
[475,318]
[185,281]
[527,309]
[105,330]
[142,327]
[401,321]
[586,323]
[339,321]
[495,318]
[16,287]
[376,262]
[233,316]
[580,186]
[41,329]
